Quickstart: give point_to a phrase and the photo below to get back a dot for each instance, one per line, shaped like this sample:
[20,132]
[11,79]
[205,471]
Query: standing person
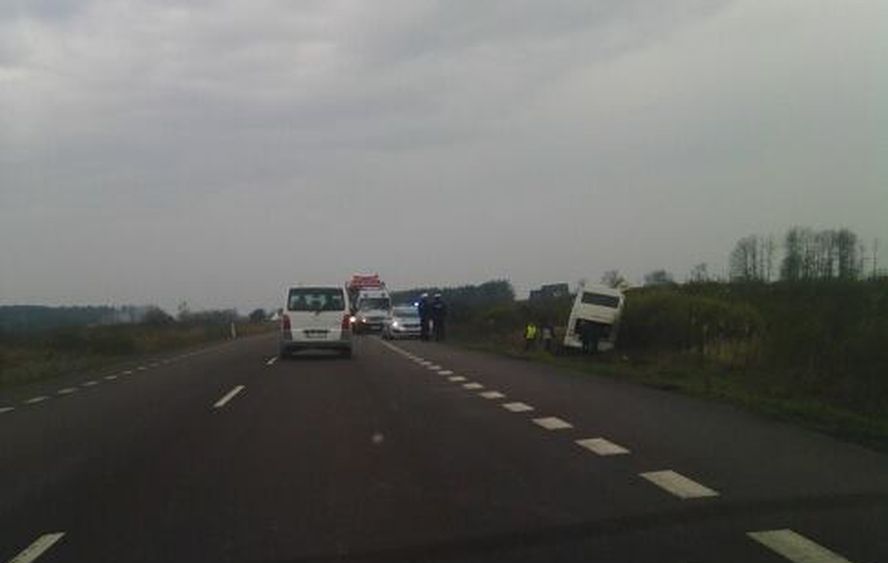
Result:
[439,316]
[425,312]
[589,335]
[548,335]
[530,335]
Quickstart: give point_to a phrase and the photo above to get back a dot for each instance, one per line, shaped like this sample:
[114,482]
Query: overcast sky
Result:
[215,151]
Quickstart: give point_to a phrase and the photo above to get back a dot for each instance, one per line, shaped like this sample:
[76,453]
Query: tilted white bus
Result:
[596,308]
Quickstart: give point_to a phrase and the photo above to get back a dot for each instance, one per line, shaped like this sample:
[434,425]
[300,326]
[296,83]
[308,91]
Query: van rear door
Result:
[316,313]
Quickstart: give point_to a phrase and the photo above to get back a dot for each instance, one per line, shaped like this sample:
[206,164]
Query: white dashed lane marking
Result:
[456,378]
[35,400]
[678,484]
[228,396]
[6,409]
[89,383]
[445,372]
[552,423]
[67,391]
[141,368]
[796,547]
[601,446]
[111,377]
[127,372]
[473,386]
[434,367]
[491,395]
[271,361]
[37,548]
[517,407]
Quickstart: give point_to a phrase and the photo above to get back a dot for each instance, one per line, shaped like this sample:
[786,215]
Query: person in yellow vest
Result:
[530,335]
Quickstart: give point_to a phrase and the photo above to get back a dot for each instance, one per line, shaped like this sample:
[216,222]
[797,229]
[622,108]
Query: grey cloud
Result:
[181,142]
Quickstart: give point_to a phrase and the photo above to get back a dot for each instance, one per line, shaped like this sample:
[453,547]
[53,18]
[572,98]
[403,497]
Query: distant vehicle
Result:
[596,308]
[316,317]
[374,306]
[402,323]
[359,282]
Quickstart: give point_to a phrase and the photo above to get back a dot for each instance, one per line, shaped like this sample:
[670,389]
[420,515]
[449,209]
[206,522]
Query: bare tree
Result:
[847,261]
[699,273]
[746,260]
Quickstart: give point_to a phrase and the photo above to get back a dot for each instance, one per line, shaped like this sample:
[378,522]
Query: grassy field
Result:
[35,356]
[813,353]
[749,389]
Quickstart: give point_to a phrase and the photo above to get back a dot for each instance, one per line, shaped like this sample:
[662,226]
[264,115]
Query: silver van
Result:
[316,317]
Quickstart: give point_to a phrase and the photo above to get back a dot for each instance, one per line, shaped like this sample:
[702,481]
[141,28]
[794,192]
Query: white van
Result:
[316,317]
[597,308]
[373,308]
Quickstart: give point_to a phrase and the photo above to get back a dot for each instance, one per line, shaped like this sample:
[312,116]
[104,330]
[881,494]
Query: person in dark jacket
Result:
[589,334]
[425,314]
[439,316]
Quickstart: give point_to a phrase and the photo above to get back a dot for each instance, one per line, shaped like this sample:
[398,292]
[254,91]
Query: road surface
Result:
[415,452]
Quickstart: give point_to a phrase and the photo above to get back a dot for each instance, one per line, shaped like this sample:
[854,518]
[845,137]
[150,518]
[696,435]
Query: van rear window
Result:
[601,300]
[315,299]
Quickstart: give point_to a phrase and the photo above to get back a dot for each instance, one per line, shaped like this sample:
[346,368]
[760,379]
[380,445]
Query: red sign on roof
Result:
[359,281]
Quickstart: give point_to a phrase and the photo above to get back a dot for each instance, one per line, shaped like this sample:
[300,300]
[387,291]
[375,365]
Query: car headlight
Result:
[395,324]
[352,319]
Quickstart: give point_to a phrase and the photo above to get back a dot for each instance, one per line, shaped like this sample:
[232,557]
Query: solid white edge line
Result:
[601,446]
[228,396]
[678,485]
[37,548]
[796,547]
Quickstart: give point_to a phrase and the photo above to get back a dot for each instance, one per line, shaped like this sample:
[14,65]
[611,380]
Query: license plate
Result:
[316,334]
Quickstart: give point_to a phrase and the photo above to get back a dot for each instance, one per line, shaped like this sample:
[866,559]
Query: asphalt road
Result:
[415,452]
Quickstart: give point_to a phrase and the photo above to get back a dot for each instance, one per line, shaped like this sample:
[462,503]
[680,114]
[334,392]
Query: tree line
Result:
[803,255]
[808,255]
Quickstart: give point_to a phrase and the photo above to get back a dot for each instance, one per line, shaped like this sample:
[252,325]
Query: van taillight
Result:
[285,323]
[346,321]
